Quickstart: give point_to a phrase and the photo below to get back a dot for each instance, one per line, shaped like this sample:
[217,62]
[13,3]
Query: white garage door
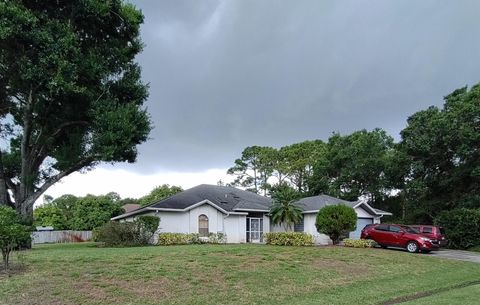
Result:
[361,223]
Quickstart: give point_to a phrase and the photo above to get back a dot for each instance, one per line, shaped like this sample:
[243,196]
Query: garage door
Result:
[361,223]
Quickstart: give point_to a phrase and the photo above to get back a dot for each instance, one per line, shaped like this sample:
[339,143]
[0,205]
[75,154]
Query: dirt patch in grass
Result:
[345,269]
[13,269]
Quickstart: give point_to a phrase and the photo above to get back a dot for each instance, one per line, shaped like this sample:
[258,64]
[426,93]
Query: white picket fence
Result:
[43,237]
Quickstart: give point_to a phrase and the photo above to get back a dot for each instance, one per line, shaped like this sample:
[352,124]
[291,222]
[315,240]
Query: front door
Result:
[255,230]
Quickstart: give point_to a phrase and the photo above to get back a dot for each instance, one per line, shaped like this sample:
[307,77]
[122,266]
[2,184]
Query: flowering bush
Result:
[289,239]
[167,239]
[358,243]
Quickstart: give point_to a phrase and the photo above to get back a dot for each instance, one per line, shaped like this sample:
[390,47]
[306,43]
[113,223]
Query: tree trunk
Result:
[4,196]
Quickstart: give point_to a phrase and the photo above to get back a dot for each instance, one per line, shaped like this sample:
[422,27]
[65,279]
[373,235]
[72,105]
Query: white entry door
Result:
[256,230]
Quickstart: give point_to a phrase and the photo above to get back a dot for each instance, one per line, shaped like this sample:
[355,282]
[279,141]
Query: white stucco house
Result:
[241,215]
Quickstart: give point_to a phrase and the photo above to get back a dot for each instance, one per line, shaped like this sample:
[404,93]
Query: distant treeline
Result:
[435,166]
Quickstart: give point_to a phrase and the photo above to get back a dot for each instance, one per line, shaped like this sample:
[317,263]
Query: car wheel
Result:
[412,247]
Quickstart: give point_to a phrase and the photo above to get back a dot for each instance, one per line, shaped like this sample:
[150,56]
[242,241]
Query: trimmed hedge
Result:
[358,243]
[167,239]
[289,239]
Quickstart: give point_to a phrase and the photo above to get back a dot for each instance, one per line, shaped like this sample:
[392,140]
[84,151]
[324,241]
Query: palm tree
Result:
[284,211]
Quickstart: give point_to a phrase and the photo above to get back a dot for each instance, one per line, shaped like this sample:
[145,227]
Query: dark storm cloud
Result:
[228,74]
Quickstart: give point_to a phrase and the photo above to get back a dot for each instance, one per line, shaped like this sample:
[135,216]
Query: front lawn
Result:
[226,274]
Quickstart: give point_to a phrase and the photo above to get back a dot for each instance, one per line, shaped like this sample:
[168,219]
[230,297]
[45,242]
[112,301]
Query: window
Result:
[410,229]
[299,227]
[395,229]
[203,225]
[381,228]
[427,230]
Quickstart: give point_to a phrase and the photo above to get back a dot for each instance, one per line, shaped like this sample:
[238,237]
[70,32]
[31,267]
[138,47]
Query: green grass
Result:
[227,274]
[474,249]
[462,296]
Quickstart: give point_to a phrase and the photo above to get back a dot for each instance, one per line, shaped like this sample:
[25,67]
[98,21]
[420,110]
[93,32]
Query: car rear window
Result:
[427,230]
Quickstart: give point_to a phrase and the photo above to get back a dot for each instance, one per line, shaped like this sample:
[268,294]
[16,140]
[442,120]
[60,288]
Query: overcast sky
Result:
[229,74]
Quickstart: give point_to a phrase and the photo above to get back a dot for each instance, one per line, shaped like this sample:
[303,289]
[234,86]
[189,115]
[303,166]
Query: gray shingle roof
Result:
[315,203]
[232,199]
[228,198]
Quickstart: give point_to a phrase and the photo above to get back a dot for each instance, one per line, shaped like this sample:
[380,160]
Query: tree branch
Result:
[41,153]
[54,179]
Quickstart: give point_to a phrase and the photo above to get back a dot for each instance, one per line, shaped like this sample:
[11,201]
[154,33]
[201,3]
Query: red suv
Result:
[436,234]
[393,235]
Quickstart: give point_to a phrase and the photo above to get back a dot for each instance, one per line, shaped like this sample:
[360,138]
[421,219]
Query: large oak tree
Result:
[70,92]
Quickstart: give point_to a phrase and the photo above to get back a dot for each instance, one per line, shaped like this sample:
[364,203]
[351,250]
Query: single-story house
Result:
[241,215]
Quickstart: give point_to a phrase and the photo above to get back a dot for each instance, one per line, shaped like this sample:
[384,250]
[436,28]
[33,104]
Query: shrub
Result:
[288,239]
[13,233]
[167,239]
[127,234]
[146,226]
[462,227]
[358,243]
[217,238]
[336,220]
[117,234]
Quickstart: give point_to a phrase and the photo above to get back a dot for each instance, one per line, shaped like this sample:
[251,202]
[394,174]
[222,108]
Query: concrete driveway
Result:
[458,255]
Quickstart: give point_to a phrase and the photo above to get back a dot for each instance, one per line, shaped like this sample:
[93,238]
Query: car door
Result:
[380,234]
[396,236]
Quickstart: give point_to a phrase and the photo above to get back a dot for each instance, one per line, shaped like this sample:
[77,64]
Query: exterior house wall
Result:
[277,228]
[266,223]
[236,228]
[309,227]
[174,222]
[215,221]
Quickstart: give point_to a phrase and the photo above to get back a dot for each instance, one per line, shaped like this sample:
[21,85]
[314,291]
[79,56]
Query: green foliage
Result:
[217,238]
[284,211]
[442,147]
[117,234]
[291,165]
[127,234]
[297,161]
[159,193]
[289,239]
[93,211]
[68,212]
[462,227]
[50,215]
[167,239]
[71,90]
[358,243]
[13,233]
[253,168]
[335,220]
[149,223]
[354,165]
